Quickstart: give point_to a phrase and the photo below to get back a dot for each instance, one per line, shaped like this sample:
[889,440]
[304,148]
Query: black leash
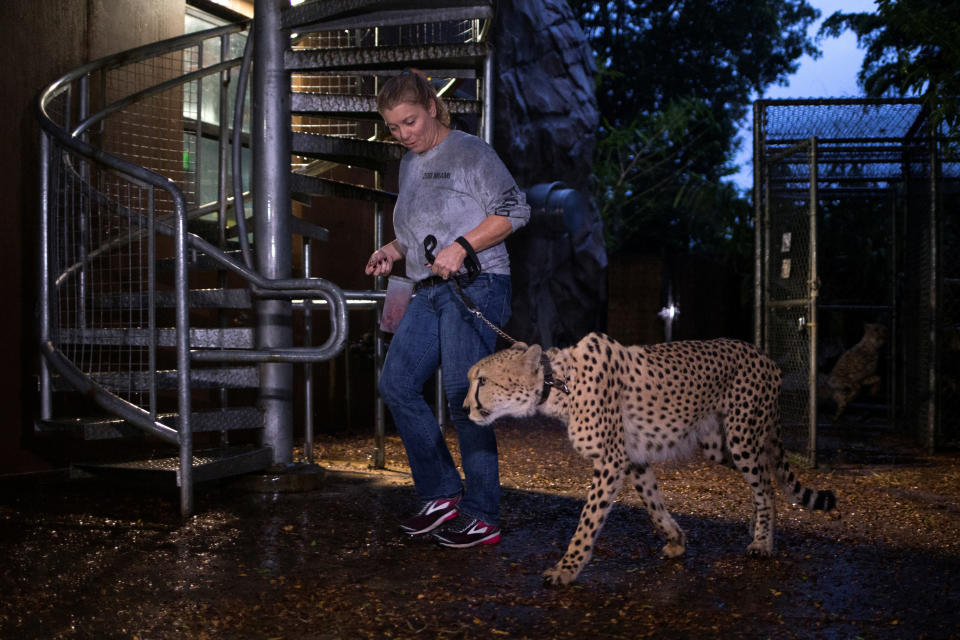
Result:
[472,263]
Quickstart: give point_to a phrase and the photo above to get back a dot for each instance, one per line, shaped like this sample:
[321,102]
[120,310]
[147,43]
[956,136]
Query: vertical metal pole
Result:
[379,436]
[223,141]
[764,240]
[379,346]
[758,247]
[930,438]
[198,138]
[184,406]
[46,255]
[152,299]
[222,158]
[488,97]
[894,302]
[271,206]
[308,367]
[812,286]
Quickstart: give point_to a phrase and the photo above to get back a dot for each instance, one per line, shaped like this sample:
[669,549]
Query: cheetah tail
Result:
[817,500]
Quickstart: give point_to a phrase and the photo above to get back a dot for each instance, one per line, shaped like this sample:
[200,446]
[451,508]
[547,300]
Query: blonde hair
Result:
[413,87]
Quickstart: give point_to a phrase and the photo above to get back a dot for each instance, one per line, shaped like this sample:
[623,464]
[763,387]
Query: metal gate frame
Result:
[797,359]
[842,148]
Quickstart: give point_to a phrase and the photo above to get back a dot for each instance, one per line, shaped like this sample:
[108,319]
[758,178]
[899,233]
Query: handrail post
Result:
[271,205]
[184,406]
[308,367]
[46,391]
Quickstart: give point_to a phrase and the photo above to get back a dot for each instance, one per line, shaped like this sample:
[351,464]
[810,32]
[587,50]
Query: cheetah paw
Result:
[556,575]
[761,549]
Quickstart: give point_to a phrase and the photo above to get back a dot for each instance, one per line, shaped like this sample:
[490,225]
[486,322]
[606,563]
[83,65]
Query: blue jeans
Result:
[437,330]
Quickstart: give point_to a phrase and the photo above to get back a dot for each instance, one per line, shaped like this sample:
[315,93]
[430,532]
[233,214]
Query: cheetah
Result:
[629,407]
[857,368]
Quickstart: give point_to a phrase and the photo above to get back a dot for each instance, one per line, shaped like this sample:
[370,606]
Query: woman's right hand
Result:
[379,264]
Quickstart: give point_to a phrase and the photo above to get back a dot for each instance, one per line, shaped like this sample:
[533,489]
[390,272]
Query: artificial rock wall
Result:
[545,125]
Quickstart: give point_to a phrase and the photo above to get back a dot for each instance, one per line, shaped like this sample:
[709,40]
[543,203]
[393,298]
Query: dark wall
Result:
[714,301]
[43,39]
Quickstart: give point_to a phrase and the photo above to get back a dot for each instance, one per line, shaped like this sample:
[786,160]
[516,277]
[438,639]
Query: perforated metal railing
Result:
[884,191]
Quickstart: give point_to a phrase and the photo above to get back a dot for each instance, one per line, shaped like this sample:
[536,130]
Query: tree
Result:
[912,48]
[675,80]
[652,198]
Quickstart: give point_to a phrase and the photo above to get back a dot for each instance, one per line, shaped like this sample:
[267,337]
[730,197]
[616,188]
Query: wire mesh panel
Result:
[112,233]
[915,327]
[101,251]
[789,247]
[948,434]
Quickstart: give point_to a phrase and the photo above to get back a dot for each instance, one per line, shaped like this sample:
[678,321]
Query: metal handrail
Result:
[58,138]
[263,287]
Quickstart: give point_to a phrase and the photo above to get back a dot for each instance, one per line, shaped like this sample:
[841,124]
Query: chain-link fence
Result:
[856,225]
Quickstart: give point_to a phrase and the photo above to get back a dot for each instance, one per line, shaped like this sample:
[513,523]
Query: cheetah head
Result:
[506,383]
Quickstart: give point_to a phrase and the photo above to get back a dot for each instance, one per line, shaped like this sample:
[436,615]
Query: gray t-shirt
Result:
[449,190]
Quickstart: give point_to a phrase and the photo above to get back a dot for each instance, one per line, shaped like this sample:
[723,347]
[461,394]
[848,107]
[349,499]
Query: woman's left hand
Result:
[449,260]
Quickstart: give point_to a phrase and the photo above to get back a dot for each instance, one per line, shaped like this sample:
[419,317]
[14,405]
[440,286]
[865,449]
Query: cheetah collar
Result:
[549,381]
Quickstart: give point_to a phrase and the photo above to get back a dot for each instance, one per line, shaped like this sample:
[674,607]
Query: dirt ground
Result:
[91,559]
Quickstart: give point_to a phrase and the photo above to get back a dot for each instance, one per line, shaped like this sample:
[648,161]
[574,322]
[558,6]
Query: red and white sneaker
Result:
[465,532]
[432,514]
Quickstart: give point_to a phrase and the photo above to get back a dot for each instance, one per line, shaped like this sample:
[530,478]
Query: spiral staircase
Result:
[170,177]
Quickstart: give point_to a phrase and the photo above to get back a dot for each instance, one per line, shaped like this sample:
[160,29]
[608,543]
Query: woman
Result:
[456,198]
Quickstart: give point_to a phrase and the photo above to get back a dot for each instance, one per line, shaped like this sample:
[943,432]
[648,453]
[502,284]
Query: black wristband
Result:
[460,240]
[471,255]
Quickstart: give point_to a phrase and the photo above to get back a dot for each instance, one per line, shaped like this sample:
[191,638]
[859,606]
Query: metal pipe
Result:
[197,165]
[894,312]
[239,209]
[379,347]
[154,90]
[308,367]
[812,287]
[46,389]
[222,143]
[152,299]
[930,440]
[182,312]
[758,247]
[271,205]
[223,135]
[763,236]
[488,96]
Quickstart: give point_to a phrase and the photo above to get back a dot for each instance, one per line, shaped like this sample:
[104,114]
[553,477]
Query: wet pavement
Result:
[90,559]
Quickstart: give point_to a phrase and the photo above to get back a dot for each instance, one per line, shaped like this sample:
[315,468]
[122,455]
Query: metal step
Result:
[207,465]
[199,260]
[436,56]
[301,227]
[196,299]
[311,185]
[140,381]
[230,419]
[351,151]
[344,14]
[226,338]
[362,107]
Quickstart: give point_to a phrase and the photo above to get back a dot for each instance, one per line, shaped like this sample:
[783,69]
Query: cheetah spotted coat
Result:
[628,407]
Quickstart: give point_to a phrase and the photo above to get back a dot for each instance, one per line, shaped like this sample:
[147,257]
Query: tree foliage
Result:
[675,80]
[912,48]
[652,197]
